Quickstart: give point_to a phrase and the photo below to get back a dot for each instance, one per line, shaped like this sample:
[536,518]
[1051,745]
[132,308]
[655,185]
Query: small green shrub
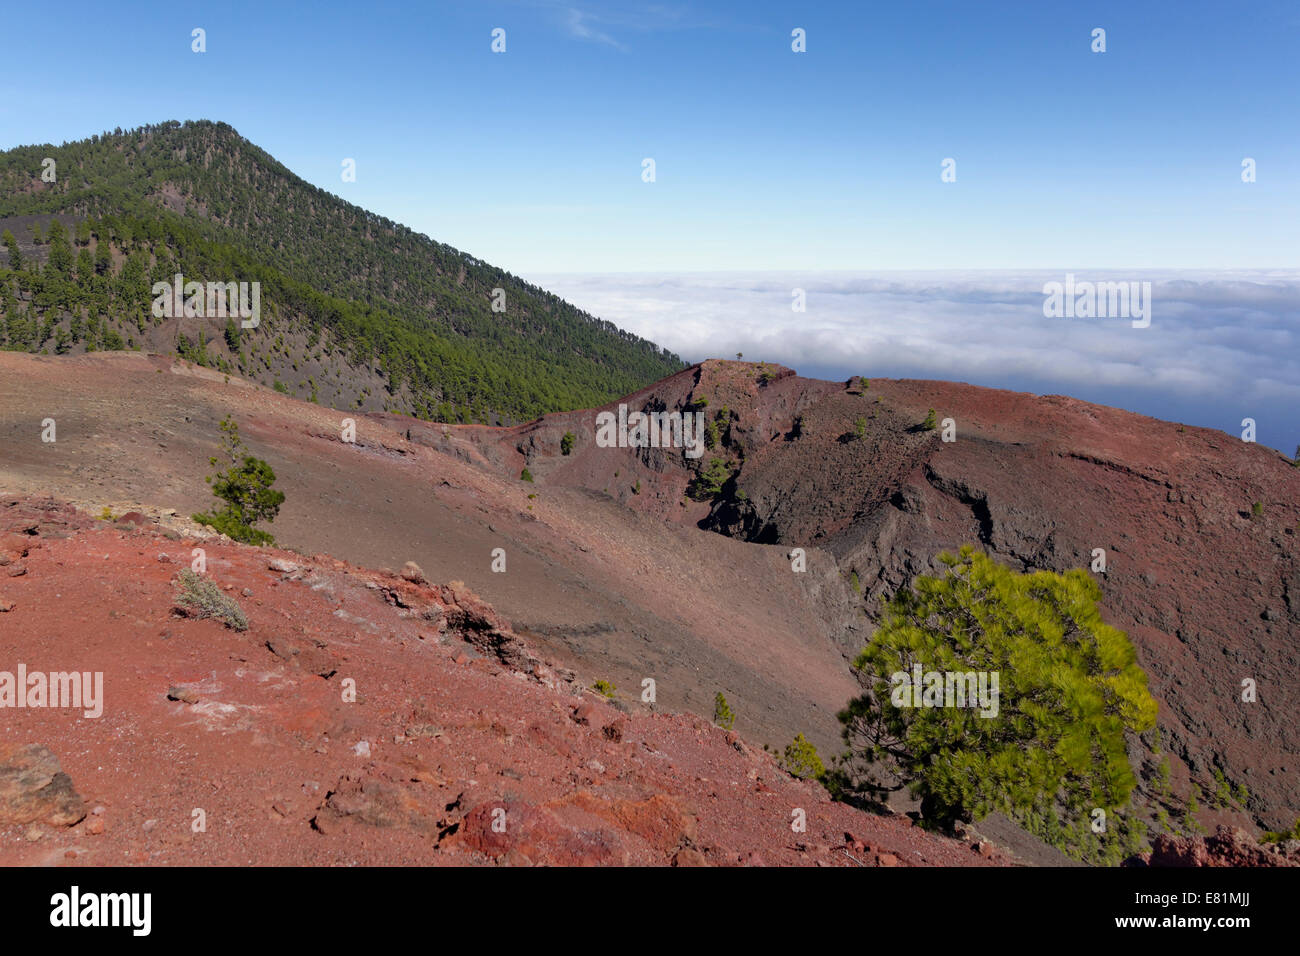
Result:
[802,760]
[1282,835]
[723,715]
[709,482]
[199,597]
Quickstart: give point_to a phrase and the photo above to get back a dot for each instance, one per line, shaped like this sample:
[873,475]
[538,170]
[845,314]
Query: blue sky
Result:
[766,159]
[776,170]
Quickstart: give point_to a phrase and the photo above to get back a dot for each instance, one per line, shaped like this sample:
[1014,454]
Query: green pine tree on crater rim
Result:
[197,198]
[245,487]
[1070,689]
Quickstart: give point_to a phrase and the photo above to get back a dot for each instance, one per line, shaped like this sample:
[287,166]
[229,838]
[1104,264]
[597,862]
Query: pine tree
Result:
[1069,689]
[60,252]
[245,486]
[11,244]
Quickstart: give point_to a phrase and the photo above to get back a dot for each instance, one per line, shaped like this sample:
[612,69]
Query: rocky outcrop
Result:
[34,788]
[1228,846]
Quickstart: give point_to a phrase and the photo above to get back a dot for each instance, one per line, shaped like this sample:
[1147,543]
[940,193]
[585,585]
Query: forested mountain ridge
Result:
[358,311]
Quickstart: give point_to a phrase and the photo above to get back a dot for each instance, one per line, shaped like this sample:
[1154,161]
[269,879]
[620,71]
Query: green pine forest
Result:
[357,311]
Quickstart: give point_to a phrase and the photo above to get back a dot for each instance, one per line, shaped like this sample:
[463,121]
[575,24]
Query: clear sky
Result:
[766,159]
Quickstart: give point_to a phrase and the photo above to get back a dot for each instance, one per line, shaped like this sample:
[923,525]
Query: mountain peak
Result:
[360,312]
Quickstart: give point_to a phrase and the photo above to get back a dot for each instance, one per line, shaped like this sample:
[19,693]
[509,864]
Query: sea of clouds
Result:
[1221,347]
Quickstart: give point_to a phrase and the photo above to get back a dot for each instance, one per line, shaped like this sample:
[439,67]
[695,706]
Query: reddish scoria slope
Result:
[615,594]
[454,720]
[1201,531]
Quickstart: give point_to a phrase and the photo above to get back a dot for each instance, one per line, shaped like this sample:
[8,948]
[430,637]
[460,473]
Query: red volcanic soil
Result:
[614,571]
[617,594]
[1200,533]
[455,724]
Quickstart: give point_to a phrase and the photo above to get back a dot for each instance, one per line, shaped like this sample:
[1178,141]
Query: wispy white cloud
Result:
[606,22]
[581,25]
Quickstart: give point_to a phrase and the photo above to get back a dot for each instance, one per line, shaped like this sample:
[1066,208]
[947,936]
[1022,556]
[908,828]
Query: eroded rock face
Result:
[34,788]
[1208,591]
[1229,846]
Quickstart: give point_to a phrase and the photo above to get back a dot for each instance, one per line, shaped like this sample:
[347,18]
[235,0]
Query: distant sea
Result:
[1221,347]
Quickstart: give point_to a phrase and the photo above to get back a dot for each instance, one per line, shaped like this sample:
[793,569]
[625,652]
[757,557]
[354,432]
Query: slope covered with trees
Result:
[357,311]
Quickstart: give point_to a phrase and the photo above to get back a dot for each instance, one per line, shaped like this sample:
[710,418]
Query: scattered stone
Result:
[34,788]
[376,803]
[186,695]
[418,731]
[687,856]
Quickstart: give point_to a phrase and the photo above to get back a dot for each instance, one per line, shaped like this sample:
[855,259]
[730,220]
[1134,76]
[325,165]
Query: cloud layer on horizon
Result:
[1212,337]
